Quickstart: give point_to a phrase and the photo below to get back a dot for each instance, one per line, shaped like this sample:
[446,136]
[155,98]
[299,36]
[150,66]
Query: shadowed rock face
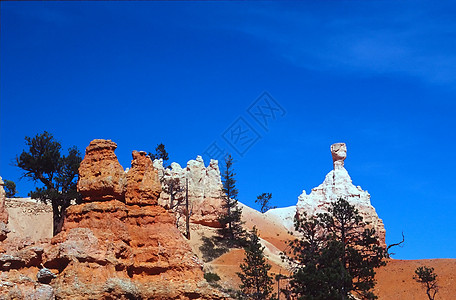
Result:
[119,244]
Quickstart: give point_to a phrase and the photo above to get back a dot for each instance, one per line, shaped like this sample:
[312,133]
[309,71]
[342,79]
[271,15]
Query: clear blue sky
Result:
[378,75]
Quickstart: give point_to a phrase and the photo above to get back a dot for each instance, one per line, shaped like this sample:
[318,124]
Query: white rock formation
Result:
[337,184]
[204,189]
[283,215]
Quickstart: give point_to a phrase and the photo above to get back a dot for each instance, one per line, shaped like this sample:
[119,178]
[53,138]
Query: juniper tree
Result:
[427,277]
[335,255]
[43,163]
[256,282]
[230,219]
[10,188]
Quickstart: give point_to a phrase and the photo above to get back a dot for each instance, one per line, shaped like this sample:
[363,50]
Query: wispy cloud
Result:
[408,42]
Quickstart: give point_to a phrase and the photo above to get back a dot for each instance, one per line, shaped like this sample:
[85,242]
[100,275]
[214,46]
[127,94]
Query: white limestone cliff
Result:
[337,184]
[204,189]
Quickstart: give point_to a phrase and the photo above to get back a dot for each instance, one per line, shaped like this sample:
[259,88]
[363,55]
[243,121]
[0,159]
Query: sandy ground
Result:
[28,219]
[395,280]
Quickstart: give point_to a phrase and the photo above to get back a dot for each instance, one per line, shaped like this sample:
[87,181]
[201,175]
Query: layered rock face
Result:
[119,244]
[3,213]
[204,189]
[338,184]
[101,177]
[143,184]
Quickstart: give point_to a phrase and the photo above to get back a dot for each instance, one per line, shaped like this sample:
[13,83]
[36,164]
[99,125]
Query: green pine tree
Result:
[43,163]
[230,220]
[160,153]
[256,282]
[335,256]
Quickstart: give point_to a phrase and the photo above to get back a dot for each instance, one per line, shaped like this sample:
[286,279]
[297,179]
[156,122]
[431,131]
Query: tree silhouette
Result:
[256,282]
[428,279]
[231,218]
[335,255]
[160,153]
[10,188]
[43,163]
[263,200]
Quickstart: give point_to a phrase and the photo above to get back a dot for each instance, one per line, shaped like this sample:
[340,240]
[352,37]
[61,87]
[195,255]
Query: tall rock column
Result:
[3,213]
[338,184]
[143,184]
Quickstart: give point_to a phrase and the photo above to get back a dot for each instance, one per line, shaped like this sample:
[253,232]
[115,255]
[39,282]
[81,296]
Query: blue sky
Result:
[378,75]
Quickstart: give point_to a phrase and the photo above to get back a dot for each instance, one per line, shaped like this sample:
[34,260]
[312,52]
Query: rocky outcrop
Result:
[143,185]
[101,177]
[3,213]
[118,244]
[204,189]
[337,184]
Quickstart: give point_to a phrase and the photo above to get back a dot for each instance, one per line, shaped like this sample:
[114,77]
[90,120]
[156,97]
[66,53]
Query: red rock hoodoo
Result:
[101,177]
[119,244]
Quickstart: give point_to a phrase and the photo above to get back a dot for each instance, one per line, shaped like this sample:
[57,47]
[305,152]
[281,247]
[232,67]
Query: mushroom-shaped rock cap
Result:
[339,153]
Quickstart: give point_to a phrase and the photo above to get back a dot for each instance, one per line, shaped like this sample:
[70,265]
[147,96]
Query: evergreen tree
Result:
[231,218]
[264,201]
[58,173]
[256,282]
[428,279]
[160,153]
[10,188]
[335,255]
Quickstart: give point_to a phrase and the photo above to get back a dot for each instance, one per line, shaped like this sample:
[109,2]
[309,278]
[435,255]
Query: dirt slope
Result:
[395,281]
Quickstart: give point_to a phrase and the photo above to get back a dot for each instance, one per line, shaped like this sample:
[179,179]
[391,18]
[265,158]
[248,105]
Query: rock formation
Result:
[337,184]
[101,177]
[204,189]
[339,153]
[3,213]
[119,244]
[143,185]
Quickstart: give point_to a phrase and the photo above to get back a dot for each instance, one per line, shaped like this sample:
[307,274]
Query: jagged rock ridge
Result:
[204,189]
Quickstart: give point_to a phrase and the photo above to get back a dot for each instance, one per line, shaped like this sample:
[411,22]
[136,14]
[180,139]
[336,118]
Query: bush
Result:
[211,277]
